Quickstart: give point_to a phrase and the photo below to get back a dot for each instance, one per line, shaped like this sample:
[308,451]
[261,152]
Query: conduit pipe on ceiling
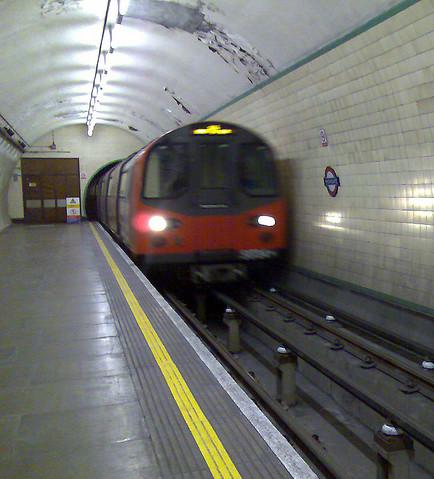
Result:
[116,9]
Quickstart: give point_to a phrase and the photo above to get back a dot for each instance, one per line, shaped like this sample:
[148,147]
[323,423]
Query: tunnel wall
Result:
[8,161]
[373,96]
[106,144]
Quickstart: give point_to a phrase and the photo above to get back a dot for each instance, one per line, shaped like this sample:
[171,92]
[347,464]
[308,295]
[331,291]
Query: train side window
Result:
[166,172]
[110,186]
[123,180]
[257,170]
[123,185]
[102,193]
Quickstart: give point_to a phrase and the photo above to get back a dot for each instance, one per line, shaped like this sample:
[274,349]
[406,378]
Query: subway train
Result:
[201,201]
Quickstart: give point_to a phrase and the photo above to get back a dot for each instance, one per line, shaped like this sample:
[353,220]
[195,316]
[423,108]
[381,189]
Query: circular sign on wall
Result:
[331,181]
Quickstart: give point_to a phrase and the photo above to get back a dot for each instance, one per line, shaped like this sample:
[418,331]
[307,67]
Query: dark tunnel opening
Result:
[90,193]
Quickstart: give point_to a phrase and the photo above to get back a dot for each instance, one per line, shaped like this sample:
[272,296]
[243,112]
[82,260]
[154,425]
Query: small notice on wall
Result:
[72,210]
[323,137]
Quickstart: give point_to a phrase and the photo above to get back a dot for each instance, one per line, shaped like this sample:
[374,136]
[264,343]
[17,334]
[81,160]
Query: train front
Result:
[210,203]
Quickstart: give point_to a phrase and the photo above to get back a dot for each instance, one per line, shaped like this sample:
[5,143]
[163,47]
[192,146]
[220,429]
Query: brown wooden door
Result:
[47,183]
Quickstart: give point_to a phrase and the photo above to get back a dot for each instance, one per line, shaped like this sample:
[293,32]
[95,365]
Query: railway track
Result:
[362,340]
[288,422]
[393,386]
[406,347]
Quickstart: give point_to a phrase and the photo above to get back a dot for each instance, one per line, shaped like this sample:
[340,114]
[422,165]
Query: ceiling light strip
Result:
[115,11]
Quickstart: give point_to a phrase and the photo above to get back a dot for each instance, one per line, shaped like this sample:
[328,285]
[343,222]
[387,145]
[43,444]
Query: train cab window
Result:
[166,172]
[213,166]
[257,171]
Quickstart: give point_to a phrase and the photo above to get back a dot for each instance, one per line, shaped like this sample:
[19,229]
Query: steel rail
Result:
[310,302]
[286,419]
[379,352]
[387,412]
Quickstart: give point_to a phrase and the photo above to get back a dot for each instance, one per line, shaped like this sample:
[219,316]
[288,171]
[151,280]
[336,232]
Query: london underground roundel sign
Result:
[331,181]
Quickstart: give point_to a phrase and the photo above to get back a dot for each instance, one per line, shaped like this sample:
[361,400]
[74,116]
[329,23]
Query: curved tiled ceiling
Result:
[173,61]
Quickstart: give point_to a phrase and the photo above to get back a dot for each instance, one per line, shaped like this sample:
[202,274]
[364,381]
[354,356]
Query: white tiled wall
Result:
[106,144]
[374,95]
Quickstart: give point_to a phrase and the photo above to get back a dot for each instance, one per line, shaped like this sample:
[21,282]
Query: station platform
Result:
[100,378]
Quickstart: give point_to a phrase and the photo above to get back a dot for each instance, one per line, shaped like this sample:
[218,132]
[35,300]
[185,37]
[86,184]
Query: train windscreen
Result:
[166,172]
[213,166]
[257,170]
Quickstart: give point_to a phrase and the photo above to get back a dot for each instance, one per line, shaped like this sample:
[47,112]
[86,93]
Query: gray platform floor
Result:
[80,393]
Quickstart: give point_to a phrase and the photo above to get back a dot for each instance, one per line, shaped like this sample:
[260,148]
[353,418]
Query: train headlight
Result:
[265,220]
[157,223]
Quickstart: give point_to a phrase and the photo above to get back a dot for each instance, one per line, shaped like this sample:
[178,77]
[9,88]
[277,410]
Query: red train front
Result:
[204,197]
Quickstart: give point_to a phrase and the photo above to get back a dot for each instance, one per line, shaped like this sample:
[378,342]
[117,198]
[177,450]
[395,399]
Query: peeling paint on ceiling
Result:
[234,50]
[170,14]
[178,101]
[175,61]
[59,7]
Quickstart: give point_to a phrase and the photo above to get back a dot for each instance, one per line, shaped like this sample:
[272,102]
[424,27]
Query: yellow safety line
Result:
[213,451]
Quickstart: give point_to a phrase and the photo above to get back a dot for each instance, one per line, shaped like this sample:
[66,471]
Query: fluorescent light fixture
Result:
[108,57]
[105,46]
[116,9]
[101,62]
[123,7]
[125,35]
[113,12]
[117,34]
[103,82]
